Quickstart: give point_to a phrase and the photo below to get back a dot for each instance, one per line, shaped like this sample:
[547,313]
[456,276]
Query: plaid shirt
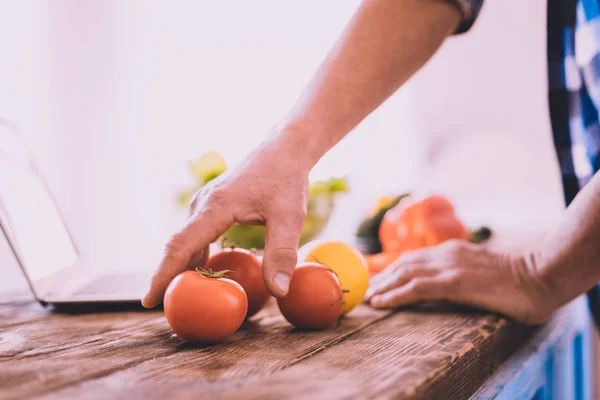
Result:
[573,92]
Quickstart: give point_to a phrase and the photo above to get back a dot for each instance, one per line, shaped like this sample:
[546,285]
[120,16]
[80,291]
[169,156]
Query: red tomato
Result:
[204,310]
[246,269]
[315,298]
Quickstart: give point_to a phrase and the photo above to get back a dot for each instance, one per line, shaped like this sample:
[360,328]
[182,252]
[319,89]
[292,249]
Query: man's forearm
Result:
[383,45]
[569,260]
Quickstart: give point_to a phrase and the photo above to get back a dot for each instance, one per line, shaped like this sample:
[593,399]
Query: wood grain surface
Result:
[434,351]
[430,351]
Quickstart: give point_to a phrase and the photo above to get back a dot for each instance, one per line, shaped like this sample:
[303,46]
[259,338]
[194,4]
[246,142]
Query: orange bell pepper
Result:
[414,224]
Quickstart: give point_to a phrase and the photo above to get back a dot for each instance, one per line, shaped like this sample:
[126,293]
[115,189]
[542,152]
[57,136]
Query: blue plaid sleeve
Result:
[469,10]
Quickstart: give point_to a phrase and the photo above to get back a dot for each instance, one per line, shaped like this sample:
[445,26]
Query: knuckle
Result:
[453,281]
[215,196]
[453,249]
[175,242]
[283,256]
[419,287]
[395,272]
[392,280]
[214,192]
[295,200]
[412,255]
[217,214]
[456,278]
[451,243]
[289,220]
[404,257]
[406,271]
[388,301]
[293,219]
[175,247]
[409,255]
[202,193]
[203,199]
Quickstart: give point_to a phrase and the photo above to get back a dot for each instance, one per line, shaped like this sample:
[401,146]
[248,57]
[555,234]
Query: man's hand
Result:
[468,274]
[270,188]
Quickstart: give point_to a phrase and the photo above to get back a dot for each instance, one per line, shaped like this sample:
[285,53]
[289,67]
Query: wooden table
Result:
[435,351]
[429,352]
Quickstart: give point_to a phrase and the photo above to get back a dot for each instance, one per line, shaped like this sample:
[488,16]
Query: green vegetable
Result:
[245,236]
[319,208]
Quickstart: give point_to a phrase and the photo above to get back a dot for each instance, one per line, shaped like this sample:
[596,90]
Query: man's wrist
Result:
[298,143]
[536,280]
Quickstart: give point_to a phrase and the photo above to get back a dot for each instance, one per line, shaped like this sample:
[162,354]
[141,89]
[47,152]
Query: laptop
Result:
[42,245]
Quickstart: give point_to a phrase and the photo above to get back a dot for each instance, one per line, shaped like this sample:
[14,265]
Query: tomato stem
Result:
[212,274]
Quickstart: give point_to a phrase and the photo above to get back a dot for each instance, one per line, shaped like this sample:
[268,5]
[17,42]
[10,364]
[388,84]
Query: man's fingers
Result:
[415,256]
[408,258]
[386,274]
[383,275]
[399,277]
[418,289]
[171,264]
[281,253]
[184,248]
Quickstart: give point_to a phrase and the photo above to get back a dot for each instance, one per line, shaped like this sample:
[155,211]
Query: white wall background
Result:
[480,109]
[25,99]
[115,97]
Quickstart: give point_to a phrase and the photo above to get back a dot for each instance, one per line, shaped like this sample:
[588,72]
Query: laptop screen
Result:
[29,216]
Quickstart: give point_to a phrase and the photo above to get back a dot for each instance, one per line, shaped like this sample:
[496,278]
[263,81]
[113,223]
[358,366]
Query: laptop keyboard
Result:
[133,282]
